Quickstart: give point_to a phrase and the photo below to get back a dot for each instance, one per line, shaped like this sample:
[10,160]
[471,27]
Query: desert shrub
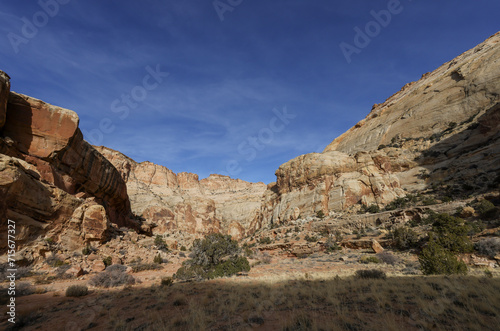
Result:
[216,255]
[22,272]
[183,248]
[265,241]
[403,202]
[301,323]
[311,239]
[248,251]
[160,243]
[320,214]
[489,247]
[54,261]
[387,257]
[157,259]
[182,254]
[331,245]
[167,281]
[450,233]
[372,209]
[24,288]
[404,238]
[229,267]
[137,267]
[486,209]
[369,259]
[436,260]
[429,201]
[61,271]
[265,258]
[114,275]
[77,291]
[371,274]
[107,261]
[87,250]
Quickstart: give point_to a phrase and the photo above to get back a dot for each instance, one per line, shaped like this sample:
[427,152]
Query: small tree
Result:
[158,259]
[404,238]
[436,260]
[216,255]
[160,243]
[451,233]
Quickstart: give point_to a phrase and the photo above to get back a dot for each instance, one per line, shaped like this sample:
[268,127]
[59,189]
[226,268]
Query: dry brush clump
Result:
[77,291]
[114,275]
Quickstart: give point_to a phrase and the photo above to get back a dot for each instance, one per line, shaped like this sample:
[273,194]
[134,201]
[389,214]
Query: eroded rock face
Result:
[48,138]
[39,129]
[330,181]
[36,207]
[47,171]
[459,90]
[445,126]
[185,206]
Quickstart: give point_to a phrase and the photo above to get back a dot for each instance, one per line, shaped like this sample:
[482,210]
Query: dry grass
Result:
[396,303]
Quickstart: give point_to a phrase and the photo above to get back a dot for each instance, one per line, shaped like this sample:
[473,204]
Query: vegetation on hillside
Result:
[216,255]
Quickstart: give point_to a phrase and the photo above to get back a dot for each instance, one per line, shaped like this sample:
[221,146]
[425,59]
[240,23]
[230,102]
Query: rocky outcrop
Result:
[182,205]
[443,129]
[48,138]
[465,88]
[52,182]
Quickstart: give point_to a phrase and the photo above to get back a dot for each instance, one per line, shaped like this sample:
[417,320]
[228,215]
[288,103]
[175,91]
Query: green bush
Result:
[167,281]
[332,246]
[77,291]
[450,233]
[311,239]
[372,209]
[486,209]
[215,256]
[157,259]
[265,241]
[160,243]
[369,259]
[108,261]
[397,204]
[436,260]
[320,214]
[183,248]
[404,238]
[87,250]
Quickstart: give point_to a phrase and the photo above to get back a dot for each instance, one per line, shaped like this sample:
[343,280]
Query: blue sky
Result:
[226,76]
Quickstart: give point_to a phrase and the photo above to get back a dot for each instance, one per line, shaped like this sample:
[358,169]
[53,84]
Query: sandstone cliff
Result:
[48,172]
[182,205]
[441,131]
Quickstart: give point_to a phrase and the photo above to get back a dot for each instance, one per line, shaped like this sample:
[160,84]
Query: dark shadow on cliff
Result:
[466,163]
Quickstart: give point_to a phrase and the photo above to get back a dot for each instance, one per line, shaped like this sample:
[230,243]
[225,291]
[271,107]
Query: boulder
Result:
[377,248]
[75,271]
[98,266]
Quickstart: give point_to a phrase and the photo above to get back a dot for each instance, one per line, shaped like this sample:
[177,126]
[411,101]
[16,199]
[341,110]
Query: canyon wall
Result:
[184,206]
[441,130]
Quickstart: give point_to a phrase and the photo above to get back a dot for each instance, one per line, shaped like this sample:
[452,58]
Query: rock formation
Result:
[48,173]
[439,134]
[442,129]
[182,205]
